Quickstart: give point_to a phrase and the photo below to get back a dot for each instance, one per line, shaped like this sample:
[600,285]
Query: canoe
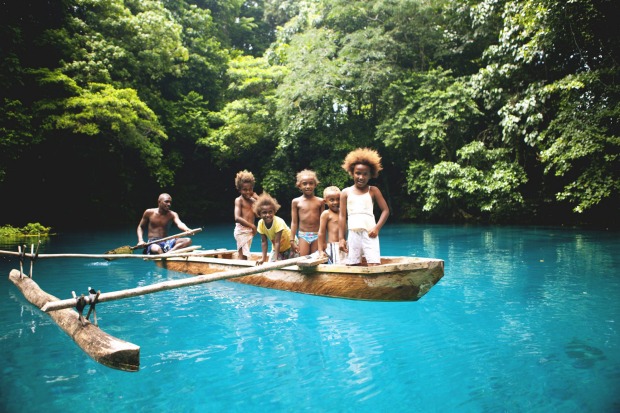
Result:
[395,279]
[101,346]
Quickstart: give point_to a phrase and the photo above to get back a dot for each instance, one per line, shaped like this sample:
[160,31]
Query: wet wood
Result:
[189,251]
[396,279]
[102,347]
[56,305]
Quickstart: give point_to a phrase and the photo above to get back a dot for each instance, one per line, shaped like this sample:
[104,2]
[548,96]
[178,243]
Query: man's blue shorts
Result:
[164,245]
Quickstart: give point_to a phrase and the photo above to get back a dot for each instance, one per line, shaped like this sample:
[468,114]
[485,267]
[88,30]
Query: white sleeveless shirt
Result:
[359,212]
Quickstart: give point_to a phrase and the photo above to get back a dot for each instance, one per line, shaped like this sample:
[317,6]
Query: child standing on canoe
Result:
[306,213]
[244,213]
[328,228]
[273,228]
[356,208]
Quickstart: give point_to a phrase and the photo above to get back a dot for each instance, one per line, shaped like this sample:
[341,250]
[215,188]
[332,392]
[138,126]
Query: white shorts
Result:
[361,244]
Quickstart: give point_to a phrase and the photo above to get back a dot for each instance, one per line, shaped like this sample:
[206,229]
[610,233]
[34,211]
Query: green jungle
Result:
[484,111]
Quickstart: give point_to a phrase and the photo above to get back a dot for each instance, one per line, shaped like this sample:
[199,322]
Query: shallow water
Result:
[525,319]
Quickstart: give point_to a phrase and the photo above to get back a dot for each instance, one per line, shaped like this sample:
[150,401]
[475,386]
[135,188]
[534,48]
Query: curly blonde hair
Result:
[330,190]
[244,177]
[306,172]
[364,156]
[265,199]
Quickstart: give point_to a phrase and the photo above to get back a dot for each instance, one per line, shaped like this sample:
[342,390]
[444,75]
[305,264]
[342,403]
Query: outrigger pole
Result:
[176,253]
[102,347]
[305,261]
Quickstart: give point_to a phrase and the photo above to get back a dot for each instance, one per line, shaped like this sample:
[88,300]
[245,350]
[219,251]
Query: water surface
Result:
[525,319]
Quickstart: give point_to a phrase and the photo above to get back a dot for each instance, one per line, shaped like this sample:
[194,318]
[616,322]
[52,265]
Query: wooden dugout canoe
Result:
[396,279]
[102,347]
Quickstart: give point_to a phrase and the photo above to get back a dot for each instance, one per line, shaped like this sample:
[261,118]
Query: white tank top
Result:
[359,212]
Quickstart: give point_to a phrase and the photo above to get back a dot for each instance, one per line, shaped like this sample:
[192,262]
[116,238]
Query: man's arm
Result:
[144,222]
[180,223]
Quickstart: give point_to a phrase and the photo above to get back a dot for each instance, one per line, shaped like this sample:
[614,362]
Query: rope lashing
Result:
[94,297]
[81,302]
[22,253]
[33,255]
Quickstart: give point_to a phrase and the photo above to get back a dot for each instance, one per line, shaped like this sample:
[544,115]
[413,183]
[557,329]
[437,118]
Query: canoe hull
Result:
[396,279]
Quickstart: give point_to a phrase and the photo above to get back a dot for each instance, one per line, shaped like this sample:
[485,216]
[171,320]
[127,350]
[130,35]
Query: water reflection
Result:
[523,320]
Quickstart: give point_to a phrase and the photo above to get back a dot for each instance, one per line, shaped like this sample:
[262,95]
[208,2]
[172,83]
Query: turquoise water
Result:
[525,319]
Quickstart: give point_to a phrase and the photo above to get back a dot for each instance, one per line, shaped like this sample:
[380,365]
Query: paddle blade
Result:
[121,250]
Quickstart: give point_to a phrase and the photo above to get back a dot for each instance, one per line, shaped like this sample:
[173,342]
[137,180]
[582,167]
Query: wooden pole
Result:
[185,282]
[177,253]
[182,234]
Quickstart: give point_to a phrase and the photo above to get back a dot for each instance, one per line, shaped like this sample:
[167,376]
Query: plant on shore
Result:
[30,230]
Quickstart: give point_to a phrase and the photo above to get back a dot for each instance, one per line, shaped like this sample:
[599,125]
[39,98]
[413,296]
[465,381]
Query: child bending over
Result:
[328,228]
[305,214]
[273,228]
[244,214]
[356,208]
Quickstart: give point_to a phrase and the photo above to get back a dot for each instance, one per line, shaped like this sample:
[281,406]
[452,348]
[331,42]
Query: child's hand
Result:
[259,262]
[373,233]
[294,246]
[343,246]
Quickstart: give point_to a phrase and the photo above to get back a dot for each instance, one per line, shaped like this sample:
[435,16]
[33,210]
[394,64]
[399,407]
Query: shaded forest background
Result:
[498,111]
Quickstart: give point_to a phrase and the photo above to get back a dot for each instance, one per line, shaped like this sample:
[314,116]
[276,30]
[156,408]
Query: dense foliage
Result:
[29,230]
[487,110]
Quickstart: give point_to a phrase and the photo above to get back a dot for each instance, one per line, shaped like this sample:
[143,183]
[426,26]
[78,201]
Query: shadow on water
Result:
[584,356]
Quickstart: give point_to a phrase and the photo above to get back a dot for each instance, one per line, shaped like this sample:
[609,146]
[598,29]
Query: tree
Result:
[551,78]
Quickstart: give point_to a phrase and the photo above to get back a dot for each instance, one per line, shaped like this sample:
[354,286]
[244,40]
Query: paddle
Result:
[305,261]
[129,250]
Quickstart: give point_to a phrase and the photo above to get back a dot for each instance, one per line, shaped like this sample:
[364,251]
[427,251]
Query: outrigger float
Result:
[395,279]
[99,345]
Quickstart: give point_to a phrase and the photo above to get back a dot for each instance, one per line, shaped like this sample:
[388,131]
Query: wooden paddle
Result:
[185,282]
[129,250]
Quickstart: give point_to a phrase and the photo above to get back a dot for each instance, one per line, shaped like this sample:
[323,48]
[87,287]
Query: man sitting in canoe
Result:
[157,222]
